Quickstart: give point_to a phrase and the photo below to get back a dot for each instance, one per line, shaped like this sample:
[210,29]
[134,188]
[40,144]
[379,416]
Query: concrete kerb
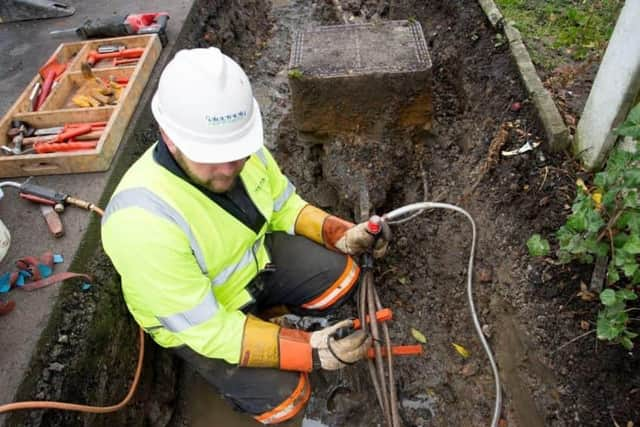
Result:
[555,129]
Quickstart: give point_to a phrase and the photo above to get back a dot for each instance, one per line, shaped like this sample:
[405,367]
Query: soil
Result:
[528,308]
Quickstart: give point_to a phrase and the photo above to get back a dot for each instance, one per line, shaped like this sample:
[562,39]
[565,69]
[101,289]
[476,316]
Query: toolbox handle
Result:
[41,167]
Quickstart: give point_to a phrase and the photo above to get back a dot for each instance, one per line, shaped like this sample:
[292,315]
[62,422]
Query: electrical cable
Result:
[392,218]
[47,404]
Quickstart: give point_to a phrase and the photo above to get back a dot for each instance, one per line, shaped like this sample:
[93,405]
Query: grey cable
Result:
[392,218]
[9,184]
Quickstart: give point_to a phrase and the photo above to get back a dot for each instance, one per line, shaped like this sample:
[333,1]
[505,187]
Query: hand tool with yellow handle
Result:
[81,101]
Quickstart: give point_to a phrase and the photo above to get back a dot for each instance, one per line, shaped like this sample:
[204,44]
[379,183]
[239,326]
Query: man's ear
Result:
[170,145]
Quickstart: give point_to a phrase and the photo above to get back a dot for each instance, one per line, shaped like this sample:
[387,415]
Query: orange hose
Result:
[48,404]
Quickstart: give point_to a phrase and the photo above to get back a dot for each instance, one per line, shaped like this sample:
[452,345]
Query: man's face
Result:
[217,177]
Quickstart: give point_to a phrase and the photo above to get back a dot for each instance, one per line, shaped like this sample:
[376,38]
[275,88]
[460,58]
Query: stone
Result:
[56,367]
[351,78]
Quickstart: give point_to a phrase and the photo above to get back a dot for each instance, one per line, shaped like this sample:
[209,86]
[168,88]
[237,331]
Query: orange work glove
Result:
[267,345]
[338,234]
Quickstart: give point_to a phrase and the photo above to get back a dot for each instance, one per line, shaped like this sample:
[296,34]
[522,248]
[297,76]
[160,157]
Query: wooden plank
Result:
[117,117]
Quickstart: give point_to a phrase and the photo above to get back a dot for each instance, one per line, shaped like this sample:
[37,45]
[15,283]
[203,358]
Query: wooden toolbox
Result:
[58,109]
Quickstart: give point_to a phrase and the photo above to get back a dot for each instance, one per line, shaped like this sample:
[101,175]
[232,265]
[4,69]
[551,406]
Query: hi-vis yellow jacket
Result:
[184,260]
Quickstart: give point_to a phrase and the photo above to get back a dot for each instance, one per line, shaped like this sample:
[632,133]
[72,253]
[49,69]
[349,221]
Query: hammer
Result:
[19,131]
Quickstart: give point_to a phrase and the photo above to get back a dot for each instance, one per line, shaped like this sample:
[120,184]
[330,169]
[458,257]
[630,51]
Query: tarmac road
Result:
[24,47]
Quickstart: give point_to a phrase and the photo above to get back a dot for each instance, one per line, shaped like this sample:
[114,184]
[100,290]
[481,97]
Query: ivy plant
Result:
[605,222]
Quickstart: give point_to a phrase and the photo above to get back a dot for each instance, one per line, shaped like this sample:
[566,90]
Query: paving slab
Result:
[24,47]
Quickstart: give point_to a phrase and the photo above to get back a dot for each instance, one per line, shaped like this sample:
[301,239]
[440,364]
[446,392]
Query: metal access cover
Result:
[346,50]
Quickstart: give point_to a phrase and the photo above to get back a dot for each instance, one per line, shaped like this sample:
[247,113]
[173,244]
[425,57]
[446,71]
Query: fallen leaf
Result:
[585,294]
[402,280]
[597,199]
[484,275]
[419,336]
[461,350]
[584,325]
[580,183]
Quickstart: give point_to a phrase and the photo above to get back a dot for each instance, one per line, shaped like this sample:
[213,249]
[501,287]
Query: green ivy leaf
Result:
[633,222]
[629,129]
[634,114]
[608,297]
[537,245]
[577,222]
[600,180]
[626,343]
[605,329]
[612,274]
[632,177]
[631,200]
[630,268]
[632,245]
[627,294]
[609,200]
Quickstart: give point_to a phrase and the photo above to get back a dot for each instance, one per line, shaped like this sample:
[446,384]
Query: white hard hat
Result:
[5,240]
[204,103]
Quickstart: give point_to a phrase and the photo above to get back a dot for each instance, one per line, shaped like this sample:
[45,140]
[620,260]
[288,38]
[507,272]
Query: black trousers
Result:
[308,279]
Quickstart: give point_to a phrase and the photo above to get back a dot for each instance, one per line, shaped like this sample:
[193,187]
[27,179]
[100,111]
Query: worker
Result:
[207,233]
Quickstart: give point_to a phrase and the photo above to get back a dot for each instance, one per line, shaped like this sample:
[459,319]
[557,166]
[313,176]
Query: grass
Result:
[559,30]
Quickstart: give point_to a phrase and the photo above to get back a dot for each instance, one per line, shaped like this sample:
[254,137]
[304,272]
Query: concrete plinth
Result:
[614,90]
[350,78]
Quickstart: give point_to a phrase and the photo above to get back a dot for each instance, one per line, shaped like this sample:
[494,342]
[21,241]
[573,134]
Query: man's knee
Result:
[287,404]
[345,278]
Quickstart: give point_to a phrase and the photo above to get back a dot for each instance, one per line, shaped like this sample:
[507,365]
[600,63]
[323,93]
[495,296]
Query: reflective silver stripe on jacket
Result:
[143,198]
[282,199]
[262,157]
[246,259]
[193,317]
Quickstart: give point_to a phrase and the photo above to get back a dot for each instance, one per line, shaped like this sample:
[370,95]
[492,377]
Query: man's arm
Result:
[168,295]
[165,289]
[295,216]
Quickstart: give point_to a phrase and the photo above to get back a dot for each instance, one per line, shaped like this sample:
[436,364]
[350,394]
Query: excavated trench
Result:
[456,160]
[422,278]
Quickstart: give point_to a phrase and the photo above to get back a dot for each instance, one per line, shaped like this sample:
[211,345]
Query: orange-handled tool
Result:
[381,316]
[398,350]
[72,133]
[94,125]
[94,56]
[61,137]
[47,147]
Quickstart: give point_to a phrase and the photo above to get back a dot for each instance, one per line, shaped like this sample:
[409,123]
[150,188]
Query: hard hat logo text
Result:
[225,119]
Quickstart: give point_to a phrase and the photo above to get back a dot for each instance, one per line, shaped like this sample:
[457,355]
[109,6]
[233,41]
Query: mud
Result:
[528,308]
